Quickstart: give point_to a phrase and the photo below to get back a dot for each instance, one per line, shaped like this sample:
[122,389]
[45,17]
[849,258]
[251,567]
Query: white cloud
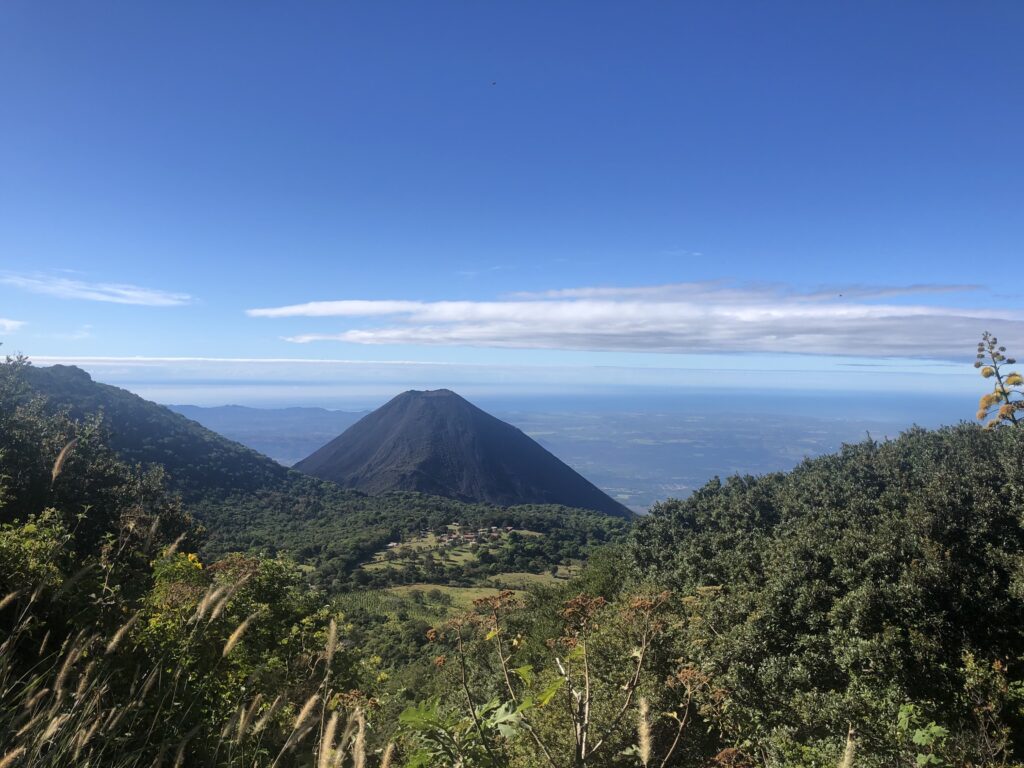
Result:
[338,309]
[10,326]
[723,292]
[113,293]
[681,318]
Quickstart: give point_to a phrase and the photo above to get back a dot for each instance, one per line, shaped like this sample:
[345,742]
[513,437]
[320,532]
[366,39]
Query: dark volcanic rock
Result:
[438,443]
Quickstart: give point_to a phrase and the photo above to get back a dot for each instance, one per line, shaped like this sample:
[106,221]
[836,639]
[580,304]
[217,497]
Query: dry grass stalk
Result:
[179,756]
[74,578]
[305,712]
[58,465]
[389,755]
[229,646]
[297,729]
[174,546]
[644,732]
[229,726]
[31,725]
[246,718]
[271,711]
[158,761]
[327,743]
[346,737]
[220,606]
[11,757]
[332,641]
[70,658]
[54,726]
[84,680]
[9,598]
[151,533]
[116,714]
[851,749]
[36,697]
[84,737]
[359,747]
[44,643]
[115,641]
[150,682]
[212,594]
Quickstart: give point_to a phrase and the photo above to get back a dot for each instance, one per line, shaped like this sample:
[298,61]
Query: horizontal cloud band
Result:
[695,317]
[111,293]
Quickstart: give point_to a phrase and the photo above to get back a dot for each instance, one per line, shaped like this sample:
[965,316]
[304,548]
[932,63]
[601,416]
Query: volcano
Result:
[439,443]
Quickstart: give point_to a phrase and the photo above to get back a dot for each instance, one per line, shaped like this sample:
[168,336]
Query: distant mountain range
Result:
[438,443]
[284,434]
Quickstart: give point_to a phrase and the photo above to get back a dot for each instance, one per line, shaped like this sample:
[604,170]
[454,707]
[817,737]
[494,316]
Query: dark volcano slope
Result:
[438,443]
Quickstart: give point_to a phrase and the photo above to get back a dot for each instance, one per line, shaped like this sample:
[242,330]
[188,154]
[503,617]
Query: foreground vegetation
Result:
[865,609]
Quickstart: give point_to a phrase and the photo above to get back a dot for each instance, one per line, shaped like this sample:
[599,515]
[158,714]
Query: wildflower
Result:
[988,371]
[989,400]
[1014,380]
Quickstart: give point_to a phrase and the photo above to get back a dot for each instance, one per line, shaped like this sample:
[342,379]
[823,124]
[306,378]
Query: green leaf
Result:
[422,715]
[549,693]
[505,719]
[524,673]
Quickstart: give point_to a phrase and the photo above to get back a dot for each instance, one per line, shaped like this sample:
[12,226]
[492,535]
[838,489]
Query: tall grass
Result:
[91,698]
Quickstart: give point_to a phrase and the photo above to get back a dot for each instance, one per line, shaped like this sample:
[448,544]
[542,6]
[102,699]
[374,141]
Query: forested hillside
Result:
[865,609]
[880,585]
[200,464]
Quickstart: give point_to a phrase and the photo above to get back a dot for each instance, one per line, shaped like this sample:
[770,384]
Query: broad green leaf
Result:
[549,692]
[524,673]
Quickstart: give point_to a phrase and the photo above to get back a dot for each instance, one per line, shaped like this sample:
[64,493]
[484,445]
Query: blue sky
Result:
[555,196]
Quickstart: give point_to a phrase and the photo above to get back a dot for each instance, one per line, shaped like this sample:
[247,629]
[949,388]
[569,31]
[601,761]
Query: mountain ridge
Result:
[198,461]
